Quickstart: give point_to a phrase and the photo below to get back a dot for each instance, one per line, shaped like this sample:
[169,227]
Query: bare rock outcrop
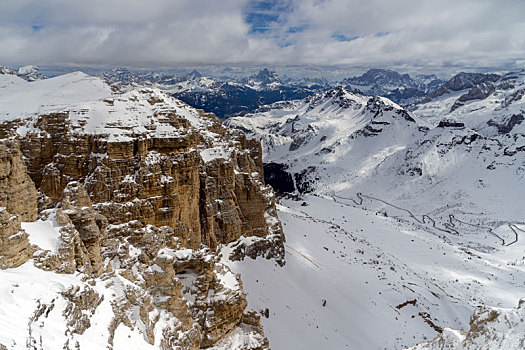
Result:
[71,254]
[215,294]
[17,191]
[179,168]
[14,244]
[18,202]
[490,328]
[91,225]
[140,191]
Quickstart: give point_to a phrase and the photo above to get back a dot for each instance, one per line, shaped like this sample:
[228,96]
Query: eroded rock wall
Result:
[18,202]
[17,191]
[14,245]
[156,181]
[139,209]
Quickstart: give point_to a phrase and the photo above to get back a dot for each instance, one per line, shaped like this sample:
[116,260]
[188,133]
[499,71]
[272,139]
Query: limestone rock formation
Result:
[175,166]
[71,254]
[17,191]
[137,193]
[215,294]
[17,203]
[91,225]
[14,245]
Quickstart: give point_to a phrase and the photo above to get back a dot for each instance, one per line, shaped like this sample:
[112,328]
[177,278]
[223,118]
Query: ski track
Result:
[450,226]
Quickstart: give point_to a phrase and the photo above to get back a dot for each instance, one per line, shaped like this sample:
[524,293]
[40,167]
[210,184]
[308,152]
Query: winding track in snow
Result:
[389,258]
[450,226]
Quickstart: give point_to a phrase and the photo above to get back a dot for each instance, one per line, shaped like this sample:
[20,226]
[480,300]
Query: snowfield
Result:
[21,99]
[406,221]
[388,283]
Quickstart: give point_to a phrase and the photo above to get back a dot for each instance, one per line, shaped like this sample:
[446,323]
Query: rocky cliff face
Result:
[18,202]
[140,190]
[203,181]
[462,81]
[14,245]
[17,191]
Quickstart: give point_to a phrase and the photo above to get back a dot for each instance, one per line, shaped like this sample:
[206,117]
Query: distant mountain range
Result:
[29,73]
[333,128]
[399,217]
[238,96]
[400,88]
[243,95]
[446,178]
[224,98]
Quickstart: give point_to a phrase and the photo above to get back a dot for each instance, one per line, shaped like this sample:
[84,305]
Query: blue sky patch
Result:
[297,29]
[265,15]
[342,37]
[37,27]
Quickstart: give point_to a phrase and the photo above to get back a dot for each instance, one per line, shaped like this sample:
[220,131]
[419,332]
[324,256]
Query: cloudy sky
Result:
[379,33]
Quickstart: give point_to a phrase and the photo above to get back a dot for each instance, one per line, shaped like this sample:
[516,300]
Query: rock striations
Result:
[18,201]
[136,192]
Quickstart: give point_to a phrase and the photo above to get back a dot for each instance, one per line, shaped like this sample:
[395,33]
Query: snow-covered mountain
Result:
[319,137]
[29,73]
[113,211]
[339,141]
[7,70]
[437,196]
[399,223]
[490,328]
[265,79]
[401,88]
[224,98]
[463,81]
[488,103]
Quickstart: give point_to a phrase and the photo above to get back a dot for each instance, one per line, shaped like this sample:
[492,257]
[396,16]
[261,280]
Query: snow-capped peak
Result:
[264,79]
[267,76]
[329,130]
[6,70]
[25,99]
[30,73]
[456,183]
[194,75]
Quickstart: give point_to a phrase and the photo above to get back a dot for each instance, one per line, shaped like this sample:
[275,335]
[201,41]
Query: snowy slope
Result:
[93,108]
[491,328]
[388,283]
[319,137]
[339,143]
[415,219]
[21,99]
[47,310]
[489,112]
[8,81]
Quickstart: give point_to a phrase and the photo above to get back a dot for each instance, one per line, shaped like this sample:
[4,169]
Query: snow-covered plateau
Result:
[113,209]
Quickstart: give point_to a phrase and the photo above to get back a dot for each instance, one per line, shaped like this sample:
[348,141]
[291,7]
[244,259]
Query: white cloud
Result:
[165,32]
